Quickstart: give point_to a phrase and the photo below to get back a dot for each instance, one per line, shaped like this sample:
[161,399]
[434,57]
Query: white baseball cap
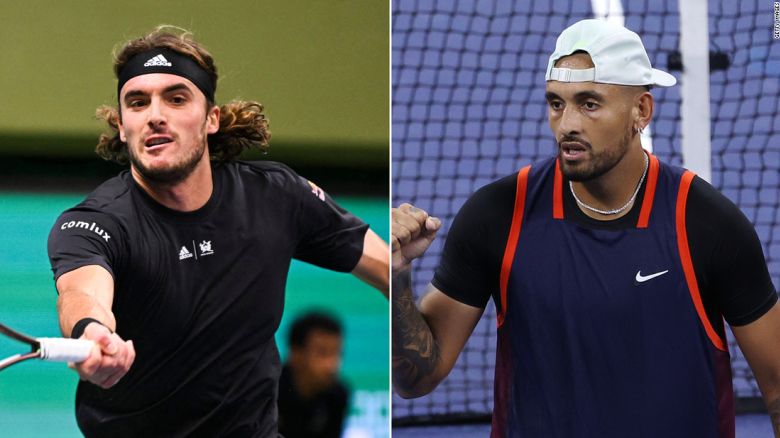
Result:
[617,53]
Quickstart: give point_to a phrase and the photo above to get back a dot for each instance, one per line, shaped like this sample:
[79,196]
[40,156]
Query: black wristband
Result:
[78,328]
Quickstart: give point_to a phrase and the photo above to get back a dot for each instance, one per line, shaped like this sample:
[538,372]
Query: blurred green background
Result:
[321,68]
[322,71]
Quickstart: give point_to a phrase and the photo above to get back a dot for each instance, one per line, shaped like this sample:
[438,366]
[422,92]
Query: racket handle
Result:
[65,350]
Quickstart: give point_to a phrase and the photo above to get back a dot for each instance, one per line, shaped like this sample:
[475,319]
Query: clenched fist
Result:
[413,230]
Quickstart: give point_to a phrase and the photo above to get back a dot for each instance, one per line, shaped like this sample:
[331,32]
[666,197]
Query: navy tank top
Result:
[602,333]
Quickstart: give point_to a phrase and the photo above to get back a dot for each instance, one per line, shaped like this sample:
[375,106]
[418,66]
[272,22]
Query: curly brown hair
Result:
[242,124]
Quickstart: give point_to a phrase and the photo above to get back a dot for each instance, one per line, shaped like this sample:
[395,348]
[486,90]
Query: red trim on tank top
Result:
[558,192]
[647,202]
[514,235]
[687,263]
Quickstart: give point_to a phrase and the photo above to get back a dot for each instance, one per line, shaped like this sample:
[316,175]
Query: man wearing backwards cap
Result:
[177,267]
[611,272]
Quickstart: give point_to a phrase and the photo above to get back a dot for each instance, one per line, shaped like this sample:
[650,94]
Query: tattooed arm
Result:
[760,342]
[415,352]
[774,414]
[426,341]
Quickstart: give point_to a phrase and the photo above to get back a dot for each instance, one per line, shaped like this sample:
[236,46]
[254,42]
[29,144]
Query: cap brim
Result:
[663,79]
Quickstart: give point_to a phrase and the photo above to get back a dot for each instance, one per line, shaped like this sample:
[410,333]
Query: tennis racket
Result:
[49,349]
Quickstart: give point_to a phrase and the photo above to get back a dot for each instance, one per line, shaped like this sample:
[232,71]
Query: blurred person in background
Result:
[313,401]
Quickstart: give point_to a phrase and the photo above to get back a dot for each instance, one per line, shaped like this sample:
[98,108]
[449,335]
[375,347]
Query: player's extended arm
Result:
[426,341]
[88,292]
[374,265]
[760,342]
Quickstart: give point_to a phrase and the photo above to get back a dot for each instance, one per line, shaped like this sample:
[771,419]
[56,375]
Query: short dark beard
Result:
[171,175]
[600,164]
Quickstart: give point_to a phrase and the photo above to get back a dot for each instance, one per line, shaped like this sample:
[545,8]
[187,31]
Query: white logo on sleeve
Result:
[643,278]
[318,192]
[184,253]
[158,61]
[95,228]
[205,248]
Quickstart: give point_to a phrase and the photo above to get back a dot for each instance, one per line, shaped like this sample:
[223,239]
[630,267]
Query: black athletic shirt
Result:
[727,257]
[200,294]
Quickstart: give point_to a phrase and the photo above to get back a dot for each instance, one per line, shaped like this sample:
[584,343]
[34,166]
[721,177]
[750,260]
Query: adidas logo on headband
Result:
[158,60]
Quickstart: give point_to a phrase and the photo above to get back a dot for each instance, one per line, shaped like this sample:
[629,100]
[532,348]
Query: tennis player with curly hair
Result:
[176,268]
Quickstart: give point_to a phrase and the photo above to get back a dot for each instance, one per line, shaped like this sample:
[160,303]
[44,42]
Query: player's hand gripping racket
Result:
[49,349]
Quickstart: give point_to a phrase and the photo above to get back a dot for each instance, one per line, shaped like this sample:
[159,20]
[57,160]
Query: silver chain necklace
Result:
[617,210]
